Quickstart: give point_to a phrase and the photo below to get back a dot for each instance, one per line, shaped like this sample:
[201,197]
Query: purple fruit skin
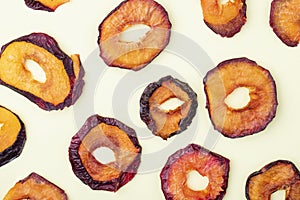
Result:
[47,42]
[78,167]
[16,149]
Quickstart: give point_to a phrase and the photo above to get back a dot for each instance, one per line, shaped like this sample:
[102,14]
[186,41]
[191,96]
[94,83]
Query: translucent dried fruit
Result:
[166,123]
[285,21]
[35,186]
[278,175]
[224,19]
[134,55]
[98,132]
[260,110]
[46,5]
[194,157]
[64,74]
[12,136]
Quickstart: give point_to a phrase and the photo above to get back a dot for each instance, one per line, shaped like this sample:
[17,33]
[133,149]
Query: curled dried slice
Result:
[99,132]
[63,84]
[285,21]
[134,55]
[278,175]
[194,158]
[260,110]
[225,19]
[166,123]
[46,5]
[12,136]
[35,186]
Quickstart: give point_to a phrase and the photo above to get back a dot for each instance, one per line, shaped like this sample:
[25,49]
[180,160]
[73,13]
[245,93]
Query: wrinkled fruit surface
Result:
[35,187]
[257,114]
[194,157]
[166,123]
[64,74]
[224,19]
[134,55]
[100,132]
[12,136]
[278,175]
[46,5]
[285,21]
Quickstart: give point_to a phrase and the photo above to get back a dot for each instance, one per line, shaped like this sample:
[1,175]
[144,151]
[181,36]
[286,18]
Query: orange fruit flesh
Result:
[112,137]
[216,13]
[35,187]
[206,165]
[285,19]
[53,4]
[167,122]
[9,130]
[281,176]
[223,80]
[134,55]
[13,72]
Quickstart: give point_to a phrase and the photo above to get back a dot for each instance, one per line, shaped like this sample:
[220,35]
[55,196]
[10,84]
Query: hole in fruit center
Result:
[196,182]
[134,33]
[278,195]
[171,104]
[36,71]
[239,98]
[222,2]
[104,155]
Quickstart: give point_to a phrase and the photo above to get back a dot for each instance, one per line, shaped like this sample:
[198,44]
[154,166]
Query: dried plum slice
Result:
[12,136]
[224,19]
[285,21]
[278,175]
[134,55]
[35,186]
[46,5]
[194,157]
[98,132]
[260,110]
[62,86]
[166,123]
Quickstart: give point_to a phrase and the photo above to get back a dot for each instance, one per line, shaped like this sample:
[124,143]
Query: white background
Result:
[75,26]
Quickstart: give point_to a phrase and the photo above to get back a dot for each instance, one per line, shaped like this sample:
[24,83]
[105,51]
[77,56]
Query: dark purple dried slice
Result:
[260,110]
[64,74]
[12,136]
[166,123]
[46,5]
[35,186]
[194,157]
[98,132]
[285,21]
[134,55]
[278,175]
[224,19]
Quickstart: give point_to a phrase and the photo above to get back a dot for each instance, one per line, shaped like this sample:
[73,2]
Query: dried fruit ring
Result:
[63,83]
[166,123]
[35,186]
[98,132]
[224,19]
[284,19]
[12,136]
[134,55]
[260,110]
[278,175]
[194,158]
[46,5]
